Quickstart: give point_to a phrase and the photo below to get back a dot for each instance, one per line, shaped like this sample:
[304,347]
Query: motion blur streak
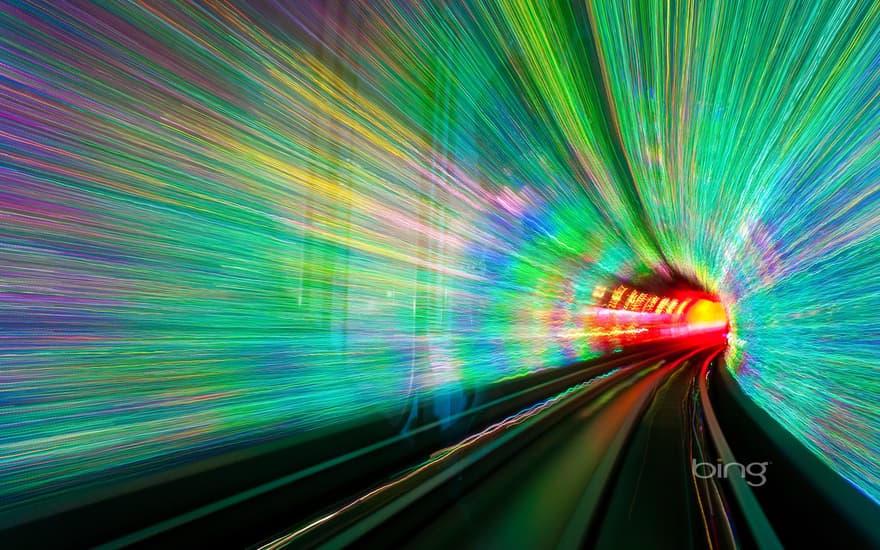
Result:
[228,223]
[445,455]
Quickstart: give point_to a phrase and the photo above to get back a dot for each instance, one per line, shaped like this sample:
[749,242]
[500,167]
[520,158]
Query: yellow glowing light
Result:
[616,296]
[706,312]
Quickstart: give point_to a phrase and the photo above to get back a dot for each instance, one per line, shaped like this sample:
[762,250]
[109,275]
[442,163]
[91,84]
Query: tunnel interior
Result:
[283,234]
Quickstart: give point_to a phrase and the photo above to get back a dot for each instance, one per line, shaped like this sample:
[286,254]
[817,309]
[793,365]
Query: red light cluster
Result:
[623,316]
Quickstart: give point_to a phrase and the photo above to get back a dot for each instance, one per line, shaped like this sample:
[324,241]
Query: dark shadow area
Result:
[280,484]
[808,504]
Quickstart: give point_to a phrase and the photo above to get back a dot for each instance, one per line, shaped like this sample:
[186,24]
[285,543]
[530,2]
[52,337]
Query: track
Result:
[599,455]
[592,471]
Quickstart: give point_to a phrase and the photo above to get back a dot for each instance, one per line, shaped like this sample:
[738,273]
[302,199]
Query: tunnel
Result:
[421,274]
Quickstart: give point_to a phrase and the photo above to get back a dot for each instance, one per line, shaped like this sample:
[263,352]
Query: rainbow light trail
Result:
[222,225]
